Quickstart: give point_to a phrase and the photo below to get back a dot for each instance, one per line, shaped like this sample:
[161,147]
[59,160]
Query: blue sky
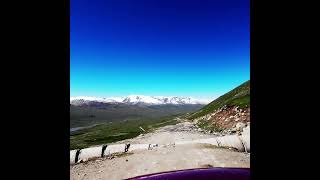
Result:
[198,48]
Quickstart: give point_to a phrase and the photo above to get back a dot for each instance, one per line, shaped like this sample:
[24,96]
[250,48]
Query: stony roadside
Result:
[166,157]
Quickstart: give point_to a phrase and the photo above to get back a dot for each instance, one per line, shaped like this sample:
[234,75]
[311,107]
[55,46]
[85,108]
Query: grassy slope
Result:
[240,96]
[115,131]
[86,116]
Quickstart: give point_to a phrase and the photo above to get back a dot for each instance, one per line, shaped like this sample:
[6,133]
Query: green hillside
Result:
[116,131]
[240,96]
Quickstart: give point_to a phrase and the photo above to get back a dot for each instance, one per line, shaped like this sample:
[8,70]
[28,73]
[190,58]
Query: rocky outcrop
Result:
[231,119]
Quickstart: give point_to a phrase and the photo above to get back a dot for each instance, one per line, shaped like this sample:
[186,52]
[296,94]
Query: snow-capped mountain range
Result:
[137,99]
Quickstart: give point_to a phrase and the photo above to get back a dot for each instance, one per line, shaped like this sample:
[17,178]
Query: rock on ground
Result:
[166,157]
[159,160]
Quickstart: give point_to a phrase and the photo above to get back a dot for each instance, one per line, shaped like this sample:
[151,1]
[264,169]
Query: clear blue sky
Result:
[198,48]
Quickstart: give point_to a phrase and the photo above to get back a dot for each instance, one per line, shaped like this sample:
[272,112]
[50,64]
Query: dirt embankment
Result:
[226,118]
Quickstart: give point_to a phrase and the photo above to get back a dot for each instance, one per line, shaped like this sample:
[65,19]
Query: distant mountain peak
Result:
[138,99]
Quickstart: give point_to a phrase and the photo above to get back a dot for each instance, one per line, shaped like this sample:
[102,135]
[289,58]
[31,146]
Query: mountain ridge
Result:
[137,99]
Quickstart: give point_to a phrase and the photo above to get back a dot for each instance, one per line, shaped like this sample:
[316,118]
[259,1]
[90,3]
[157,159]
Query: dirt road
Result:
[166,157]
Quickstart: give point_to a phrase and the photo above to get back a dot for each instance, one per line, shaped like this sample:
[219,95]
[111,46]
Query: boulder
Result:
[230,141]
[240,126]
[246,130]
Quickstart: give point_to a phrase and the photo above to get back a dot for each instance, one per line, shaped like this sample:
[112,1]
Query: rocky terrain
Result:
[227,120]
[227,114]
[166,156]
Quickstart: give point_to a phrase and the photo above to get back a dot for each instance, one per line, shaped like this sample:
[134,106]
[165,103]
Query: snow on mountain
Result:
[134,99]
[138,99]
[85,98]
[79,100]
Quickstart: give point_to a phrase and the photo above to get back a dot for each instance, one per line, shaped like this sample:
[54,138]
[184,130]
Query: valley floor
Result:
[166,157]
